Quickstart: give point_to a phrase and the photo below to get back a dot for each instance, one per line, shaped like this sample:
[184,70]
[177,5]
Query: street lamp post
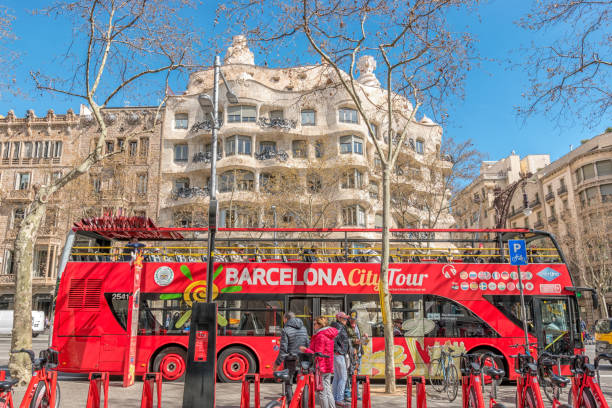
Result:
[212,107]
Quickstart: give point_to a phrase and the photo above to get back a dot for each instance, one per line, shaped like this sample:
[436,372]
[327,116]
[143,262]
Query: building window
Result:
[308,117]
[181,152]
[549,187]
[588,171]
[16,149]
[318,148]
[352,179]
[144,146]
[6,153]
[353,216]
[142,184]
[56,175]
[298,148]
[28,150]
[241,113]
[47,150]
[181,121]
[40,263]
[57,149]
[38,149]
[606,193]
[419,146]
[374,130]
[9,264]
[110,147]
[604,168]
[378,221]
[347,115]
[237,218]
[373,189]
[181,184]
[23,181]
[238,145]
[351,144]
[18,215]
[133,148]
[276,114]
[236,180]
[120,145]
[314,183]
[267,147]
[266,182]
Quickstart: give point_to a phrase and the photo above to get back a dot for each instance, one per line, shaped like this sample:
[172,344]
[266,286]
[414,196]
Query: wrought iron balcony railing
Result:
[549,196]
[190,192]
[204,125]
[562,190]
[284,124]
[205,157]
[280,155]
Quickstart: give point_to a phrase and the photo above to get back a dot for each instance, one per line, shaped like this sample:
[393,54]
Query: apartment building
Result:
[35,150]
[570,197]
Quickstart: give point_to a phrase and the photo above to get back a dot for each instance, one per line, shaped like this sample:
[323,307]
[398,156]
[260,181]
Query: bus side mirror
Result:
[595,299]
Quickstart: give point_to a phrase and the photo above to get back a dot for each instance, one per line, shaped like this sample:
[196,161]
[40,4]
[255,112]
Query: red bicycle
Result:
[551,382]
[488,369]
[43,390]
[6,392]
[304,396]
[585,391]
[528,394]
[471,381]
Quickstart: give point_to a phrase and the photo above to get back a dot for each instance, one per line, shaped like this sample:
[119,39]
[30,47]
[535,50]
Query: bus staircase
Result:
[421,395]
[245,392]
[364,381]
[98,389]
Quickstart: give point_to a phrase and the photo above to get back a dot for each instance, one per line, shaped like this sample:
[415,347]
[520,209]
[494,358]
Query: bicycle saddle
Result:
[559,381]
[282,374]
[475,367]
[8,384]
[493,372]
[547,362]
[532,367]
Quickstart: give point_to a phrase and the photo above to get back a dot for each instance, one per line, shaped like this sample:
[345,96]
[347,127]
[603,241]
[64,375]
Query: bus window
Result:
[406,314]
[555,325]
[162,316]
[251,317]
[302,307]
[118,304]
[510,306]
[331,306]
[451,319]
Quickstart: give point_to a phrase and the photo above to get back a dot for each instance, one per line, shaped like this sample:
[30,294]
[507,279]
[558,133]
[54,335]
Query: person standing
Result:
[357,339]
[293,336]
[341,349]
[322,341]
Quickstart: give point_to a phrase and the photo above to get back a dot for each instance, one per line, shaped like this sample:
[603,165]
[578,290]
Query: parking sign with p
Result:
[518,252]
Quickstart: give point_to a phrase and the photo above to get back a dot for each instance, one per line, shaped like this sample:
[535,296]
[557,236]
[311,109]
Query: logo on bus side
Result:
[163,276]
[549,274]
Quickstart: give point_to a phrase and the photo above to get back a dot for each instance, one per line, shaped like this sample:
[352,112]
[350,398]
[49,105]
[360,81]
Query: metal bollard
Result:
[365,391]
[245,394]
[98,385]
[150,381]
[421,395]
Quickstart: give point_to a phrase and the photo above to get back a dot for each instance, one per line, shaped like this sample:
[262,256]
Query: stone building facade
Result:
[36,149]
[570,197]
[294,143]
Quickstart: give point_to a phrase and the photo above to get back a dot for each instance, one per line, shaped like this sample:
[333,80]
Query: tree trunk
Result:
[19,364]
[390,385]
[603,305]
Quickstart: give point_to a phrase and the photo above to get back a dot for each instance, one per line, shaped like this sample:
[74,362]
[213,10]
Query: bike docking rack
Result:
[150,381]
[304,381]
[98,385]
[421,395]
[245,393]
[364,380]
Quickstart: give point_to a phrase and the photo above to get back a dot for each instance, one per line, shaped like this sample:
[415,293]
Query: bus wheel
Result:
[233,363]
[499,363]
[171,363]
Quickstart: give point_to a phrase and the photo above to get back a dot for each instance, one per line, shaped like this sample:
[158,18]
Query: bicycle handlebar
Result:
[30,353]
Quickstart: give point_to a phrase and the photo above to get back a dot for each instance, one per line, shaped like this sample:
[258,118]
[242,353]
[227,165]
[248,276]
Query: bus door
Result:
[554,325]
[306,308]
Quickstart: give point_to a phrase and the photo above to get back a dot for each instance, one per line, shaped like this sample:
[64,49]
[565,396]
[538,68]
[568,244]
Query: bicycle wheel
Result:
[452,382]
[436,375]
[273,404]
[305,397]
[41,399]
[588,401]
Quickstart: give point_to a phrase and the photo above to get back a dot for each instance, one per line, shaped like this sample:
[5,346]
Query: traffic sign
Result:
[518,252]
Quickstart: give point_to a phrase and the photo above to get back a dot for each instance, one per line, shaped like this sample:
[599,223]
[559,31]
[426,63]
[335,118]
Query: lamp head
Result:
[205,102]
[527,211]
[231,97]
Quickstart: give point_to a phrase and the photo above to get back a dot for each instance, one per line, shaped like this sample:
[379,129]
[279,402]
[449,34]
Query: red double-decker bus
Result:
[449,287]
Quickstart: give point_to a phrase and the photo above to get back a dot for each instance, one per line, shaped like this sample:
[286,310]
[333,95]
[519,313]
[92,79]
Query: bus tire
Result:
[499,362]
[233,363]
[171,362]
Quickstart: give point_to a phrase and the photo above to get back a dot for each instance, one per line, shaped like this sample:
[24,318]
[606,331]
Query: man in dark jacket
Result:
[293,336]
[341,349]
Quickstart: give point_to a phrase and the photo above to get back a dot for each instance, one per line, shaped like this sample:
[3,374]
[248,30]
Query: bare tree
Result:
[572,73]
[423,62]
[117,49]
[588,244]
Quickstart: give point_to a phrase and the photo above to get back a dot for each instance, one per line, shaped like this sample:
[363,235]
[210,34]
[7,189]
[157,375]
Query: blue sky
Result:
[486,115]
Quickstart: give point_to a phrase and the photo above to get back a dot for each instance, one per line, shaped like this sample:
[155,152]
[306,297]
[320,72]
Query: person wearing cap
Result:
[357,339]
[237,254]
[341,349]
